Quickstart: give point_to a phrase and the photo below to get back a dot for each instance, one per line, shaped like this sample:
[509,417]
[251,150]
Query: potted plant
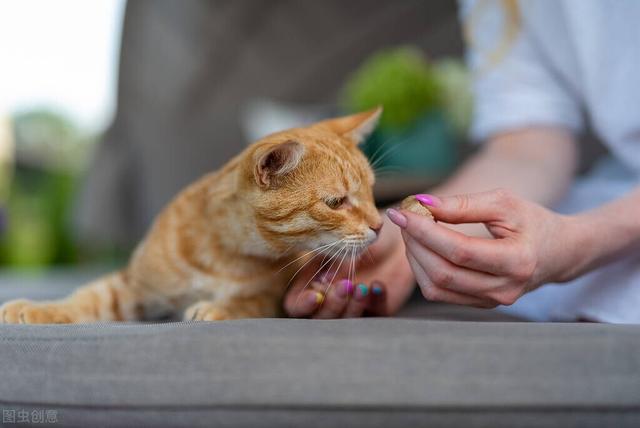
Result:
[426,108]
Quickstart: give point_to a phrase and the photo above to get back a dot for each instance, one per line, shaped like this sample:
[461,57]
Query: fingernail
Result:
[376,289]
[316,298]
[363,290]
[345,288]
[428,200]
[397,218]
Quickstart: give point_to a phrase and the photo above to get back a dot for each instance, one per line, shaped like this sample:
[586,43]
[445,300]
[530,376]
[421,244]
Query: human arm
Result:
[537,164]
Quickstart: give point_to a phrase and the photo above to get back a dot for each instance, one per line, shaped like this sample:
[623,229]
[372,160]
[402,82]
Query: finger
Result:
[336,300]
[359,301]
[435,294]
[445,275]
[300,283]
[494,256]
[378,301]
[303,304]
[481,207]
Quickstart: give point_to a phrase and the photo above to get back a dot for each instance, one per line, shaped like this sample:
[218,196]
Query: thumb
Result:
[479,207]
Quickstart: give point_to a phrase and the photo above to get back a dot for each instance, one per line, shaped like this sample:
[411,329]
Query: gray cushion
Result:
[362,372]
[369,372]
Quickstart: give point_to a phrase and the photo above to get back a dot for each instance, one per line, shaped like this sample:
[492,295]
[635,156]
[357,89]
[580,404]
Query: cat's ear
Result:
[275,161]
[356,127]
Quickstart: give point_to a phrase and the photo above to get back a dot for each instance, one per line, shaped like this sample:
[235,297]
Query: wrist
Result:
[584,245]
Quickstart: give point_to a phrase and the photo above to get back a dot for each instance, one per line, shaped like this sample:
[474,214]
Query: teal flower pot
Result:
[426,149]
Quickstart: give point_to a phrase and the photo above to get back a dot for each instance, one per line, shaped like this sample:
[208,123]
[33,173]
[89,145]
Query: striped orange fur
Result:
[217,251]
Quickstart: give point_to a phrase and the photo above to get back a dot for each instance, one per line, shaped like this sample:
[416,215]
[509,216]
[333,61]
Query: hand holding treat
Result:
[522,253]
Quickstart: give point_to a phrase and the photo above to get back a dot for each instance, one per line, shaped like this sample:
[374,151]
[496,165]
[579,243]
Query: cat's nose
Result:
[376,228]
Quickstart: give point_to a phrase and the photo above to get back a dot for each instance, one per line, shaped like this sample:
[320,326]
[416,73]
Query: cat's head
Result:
[311,188]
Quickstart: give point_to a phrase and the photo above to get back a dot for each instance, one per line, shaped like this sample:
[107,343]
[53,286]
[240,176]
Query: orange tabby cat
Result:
[217,250]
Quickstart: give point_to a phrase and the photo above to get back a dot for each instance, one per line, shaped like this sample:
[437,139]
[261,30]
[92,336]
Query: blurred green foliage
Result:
[401,80]
[427,109]
[51,153]
[410,88]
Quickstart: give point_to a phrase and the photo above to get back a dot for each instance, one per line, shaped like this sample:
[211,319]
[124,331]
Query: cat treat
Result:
[411,204]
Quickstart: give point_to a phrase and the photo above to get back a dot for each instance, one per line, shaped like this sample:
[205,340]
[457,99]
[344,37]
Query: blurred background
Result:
[57,96]
[107,109]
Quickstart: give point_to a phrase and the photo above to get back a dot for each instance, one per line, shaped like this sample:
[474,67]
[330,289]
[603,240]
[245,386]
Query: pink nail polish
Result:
[429,200]
[345,288]
[397,218]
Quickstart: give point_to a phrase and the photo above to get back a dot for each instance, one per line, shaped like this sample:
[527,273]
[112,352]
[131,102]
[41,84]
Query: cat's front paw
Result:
[205,311]
[27,312]
[10,311]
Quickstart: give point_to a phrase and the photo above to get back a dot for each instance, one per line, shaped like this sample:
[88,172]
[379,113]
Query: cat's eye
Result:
[335,203]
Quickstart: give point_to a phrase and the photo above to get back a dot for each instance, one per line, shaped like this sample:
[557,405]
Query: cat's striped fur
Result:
[217,251]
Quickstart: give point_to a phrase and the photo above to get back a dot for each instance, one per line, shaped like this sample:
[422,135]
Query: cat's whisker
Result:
[394,146]
[369,254]
[352,270]
[389,151]
[295,305]
[330,283]
[336,255]
[381,146]
[353,263]
[372,158]
[314,275]
[378,171]
[287,250]
[321,267]
[309,261]
[356,259]
[387,168]
[346,249]
[309,252]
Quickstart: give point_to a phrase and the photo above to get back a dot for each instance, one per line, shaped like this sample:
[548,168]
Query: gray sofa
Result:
[426,369]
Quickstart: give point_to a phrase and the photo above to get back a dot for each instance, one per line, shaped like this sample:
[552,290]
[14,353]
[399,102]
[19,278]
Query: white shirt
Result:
[571,61]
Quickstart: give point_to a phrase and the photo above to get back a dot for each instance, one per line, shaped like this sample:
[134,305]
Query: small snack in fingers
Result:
[411,204]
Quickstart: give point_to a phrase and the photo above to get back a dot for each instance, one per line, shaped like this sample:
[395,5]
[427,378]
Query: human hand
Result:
[378,283]
[530,246]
